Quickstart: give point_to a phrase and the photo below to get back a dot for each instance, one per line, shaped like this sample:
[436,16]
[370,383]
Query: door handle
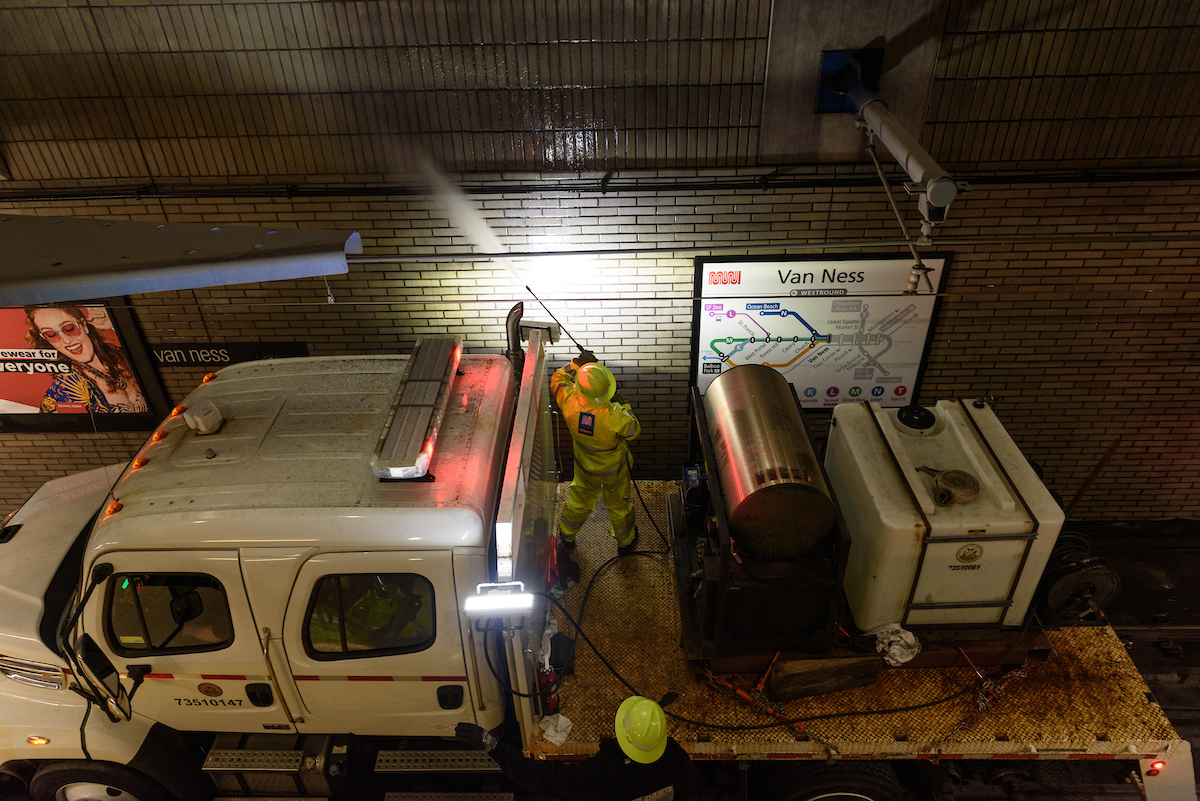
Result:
[260,694]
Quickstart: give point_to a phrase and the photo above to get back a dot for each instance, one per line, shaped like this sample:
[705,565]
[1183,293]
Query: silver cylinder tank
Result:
[778,503]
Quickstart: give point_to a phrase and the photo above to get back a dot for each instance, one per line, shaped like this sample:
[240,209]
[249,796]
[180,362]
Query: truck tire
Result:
[94,781]
[860,781]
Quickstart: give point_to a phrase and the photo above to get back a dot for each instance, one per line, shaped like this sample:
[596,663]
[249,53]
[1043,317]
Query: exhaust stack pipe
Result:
[513,326]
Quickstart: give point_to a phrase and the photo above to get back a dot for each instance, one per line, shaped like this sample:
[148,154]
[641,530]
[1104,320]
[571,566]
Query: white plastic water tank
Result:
[916,561]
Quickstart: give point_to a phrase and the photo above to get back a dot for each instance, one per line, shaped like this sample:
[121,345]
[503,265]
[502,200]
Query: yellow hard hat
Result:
[641,729]
[596,382]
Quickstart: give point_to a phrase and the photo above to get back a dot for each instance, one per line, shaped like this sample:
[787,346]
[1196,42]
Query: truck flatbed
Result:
[1087,701]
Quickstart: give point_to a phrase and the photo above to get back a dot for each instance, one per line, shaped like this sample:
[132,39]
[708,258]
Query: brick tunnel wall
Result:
[1082,340]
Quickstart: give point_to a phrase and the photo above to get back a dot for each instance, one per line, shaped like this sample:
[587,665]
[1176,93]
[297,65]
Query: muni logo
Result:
[725,277]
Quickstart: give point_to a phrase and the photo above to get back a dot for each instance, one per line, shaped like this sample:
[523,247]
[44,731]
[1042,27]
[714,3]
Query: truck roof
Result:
[291,464]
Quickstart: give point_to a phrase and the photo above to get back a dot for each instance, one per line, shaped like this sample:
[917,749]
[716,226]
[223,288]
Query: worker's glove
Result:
[585,357]
[474,736]
[619,398]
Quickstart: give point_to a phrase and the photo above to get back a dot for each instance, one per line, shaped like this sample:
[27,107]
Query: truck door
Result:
[186,615]
[374,643]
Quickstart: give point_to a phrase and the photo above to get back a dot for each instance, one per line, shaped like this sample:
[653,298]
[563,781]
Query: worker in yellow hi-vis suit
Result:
[600,423]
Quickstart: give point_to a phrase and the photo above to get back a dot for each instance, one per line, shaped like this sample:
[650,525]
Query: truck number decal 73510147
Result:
[208,701]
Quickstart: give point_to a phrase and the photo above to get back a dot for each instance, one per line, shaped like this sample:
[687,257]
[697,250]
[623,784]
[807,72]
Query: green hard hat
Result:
[596,382]
[641,729]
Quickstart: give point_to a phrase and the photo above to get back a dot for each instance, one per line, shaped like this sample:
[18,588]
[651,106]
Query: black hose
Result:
[579,632]
[973,686]
[87,712]
[1072,552]
[588,592]
[487,656]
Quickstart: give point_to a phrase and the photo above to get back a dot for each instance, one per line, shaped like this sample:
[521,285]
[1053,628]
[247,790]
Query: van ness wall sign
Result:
[839,329]
[222,354]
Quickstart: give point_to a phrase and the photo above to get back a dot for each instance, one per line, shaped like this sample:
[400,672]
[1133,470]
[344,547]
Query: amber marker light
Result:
[208,378]
[141,461]
[113,508]
[178,410]
[159,435]
[37,739]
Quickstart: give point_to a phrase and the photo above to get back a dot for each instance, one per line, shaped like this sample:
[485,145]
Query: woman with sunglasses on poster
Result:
[101,379]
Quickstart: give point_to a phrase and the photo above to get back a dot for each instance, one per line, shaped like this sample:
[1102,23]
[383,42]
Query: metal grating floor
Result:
[1089,699]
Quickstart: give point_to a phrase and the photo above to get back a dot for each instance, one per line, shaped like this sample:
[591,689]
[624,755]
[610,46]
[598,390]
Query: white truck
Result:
[316,567]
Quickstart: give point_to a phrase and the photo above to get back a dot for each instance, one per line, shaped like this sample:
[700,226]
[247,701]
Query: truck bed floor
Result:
[1087,701]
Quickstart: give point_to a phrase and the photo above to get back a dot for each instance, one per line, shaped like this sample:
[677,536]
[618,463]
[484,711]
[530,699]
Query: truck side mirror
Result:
[100,673]
[186,607]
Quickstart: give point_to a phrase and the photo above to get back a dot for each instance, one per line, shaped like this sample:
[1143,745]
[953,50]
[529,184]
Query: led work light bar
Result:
[406,443]
[499,600]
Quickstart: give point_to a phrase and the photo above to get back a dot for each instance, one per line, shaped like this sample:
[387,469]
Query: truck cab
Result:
[292,558]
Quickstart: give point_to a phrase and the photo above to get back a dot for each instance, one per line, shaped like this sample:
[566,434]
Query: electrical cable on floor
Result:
[591,582]
[975,685]
[561,674]
[828,716]
[653,522]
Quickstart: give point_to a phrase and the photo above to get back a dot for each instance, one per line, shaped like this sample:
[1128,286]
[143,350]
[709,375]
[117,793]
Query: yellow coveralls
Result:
[602,460]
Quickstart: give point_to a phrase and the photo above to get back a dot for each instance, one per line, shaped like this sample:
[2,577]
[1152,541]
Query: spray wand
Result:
[562,327]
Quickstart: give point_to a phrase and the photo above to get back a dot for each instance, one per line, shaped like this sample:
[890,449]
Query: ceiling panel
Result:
[1107,80]
[202,90]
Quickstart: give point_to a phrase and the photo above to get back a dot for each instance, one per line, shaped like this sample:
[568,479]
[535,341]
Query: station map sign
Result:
[839,330]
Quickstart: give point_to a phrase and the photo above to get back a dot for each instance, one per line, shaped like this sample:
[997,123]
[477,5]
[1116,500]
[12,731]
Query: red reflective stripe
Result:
[379,678]
[160,675]
[221,677]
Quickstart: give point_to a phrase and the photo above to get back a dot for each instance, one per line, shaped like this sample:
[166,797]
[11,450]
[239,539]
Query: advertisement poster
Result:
[67,360]
[839,330]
